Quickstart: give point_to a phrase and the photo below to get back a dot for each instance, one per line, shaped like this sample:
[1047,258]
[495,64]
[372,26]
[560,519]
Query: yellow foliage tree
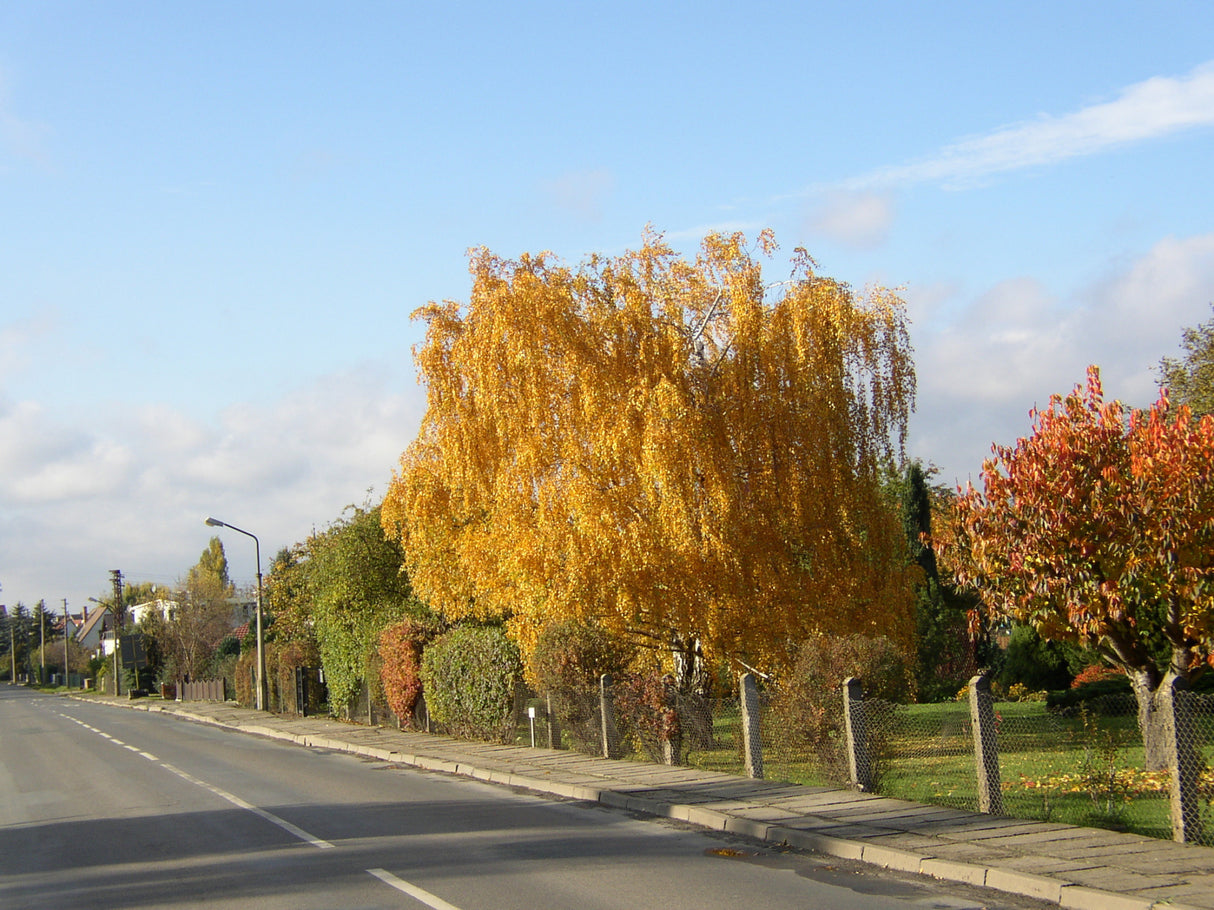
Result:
[669,448]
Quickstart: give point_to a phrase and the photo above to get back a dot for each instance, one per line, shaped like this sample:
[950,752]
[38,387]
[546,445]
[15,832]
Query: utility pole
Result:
[41,642]
[119,619]
[12,645]
[67,683]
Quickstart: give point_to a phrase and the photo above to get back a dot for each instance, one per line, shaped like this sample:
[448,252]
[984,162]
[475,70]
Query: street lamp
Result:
[261,654]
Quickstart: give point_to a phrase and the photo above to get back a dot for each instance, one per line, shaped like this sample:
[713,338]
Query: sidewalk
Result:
[1084,868]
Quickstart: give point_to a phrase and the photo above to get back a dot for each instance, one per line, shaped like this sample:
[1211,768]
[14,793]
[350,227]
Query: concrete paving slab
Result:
[907,841]
[1186,895]
[1114,879]
[1046,865]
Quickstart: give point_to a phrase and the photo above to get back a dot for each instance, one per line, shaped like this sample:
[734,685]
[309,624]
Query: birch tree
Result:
[673,449]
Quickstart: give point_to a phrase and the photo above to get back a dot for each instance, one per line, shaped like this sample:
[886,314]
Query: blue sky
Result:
[217,218]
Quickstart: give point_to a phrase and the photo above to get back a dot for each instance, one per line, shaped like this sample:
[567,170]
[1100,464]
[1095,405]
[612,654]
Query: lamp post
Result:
[261,655]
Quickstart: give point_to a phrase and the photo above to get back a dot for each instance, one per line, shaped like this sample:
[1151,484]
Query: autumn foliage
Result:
[1099,529]
[669,448]
[400,653]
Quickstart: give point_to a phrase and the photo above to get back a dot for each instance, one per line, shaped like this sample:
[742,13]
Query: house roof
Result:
[89,624]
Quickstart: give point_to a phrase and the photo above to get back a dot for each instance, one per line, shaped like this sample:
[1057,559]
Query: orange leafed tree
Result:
[668,448]
[1099,529]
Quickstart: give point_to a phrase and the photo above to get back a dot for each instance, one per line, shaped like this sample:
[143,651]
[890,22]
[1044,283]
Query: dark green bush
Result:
[470,676]
[1034,662]
[228,646]
[1112,696]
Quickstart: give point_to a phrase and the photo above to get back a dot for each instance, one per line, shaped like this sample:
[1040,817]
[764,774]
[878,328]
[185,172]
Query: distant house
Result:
[166,608]
[88,633]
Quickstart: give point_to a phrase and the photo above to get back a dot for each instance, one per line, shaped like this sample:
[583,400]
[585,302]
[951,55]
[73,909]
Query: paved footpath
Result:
[1084,868]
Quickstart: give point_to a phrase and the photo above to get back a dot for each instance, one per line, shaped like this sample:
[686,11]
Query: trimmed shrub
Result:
[568,660]
[1095,673]
[1111,696]
[470,677]
[809,705]
[283,658]
[400,650]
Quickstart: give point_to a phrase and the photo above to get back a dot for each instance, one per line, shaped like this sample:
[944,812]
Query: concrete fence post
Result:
[859,762]
[986,745]
[1184,761]
[611,735]
[752,746]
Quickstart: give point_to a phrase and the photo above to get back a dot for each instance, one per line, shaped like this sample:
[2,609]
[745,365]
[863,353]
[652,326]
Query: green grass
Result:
[929,758]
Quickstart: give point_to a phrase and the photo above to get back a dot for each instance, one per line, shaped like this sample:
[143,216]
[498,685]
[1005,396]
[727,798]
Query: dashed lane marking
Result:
[418,894]
[273,819]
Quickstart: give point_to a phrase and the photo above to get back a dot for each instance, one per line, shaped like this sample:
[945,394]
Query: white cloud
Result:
[1146,110]
[19,337]
[856,218]
[131,493]
[1016,344]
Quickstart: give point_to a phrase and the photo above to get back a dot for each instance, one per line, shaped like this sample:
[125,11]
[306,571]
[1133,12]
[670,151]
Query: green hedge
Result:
[469,677]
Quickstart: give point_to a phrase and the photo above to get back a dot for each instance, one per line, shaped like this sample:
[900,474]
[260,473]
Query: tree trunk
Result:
[691,674]
[1157,722]
[1151,718]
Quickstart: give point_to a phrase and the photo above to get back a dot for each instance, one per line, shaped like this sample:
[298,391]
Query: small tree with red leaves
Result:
[1098,529]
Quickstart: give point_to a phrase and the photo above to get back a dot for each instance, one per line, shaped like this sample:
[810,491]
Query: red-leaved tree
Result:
[1099,529]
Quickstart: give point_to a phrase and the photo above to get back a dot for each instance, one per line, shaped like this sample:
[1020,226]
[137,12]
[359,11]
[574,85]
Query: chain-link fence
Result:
[1084,765]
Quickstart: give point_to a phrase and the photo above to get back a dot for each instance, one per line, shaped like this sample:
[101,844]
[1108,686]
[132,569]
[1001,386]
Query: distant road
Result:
[103,807]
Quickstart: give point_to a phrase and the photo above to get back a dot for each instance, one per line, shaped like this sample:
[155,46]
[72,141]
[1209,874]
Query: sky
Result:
[216,219]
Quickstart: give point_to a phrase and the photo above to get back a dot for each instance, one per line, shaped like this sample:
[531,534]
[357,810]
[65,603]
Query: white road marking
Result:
[256,810]
[418,894]
[223,794]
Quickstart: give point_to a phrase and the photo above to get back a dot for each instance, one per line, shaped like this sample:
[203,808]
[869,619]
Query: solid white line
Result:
[256,810]
[420,894]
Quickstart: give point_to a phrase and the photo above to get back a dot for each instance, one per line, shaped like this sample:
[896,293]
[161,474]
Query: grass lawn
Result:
[1082,772]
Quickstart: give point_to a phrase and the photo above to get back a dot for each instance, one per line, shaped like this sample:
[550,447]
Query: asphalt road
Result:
[101,807]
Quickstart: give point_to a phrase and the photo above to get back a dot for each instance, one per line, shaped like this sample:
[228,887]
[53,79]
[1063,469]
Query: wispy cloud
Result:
[1146,110]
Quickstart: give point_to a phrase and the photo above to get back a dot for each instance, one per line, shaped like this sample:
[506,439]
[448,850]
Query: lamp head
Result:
[214,522]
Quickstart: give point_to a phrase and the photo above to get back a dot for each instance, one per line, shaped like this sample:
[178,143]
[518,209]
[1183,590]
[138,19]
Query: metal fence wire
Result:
[1083,765]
